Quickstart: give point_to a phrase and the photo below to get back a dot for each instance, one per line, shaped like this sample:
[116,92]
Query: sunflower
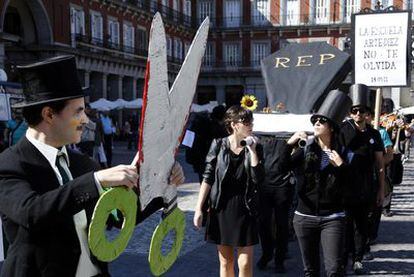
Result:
[249,102]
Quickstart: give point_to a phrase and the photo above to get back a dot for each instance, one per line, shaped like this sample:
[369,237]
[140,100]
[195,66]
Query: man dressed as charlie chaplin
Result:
[48,192]
[365,155]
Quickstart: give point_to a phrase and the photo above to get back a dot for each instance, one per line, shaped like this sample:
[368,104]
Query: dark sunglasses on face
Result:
[246,123]
[321,120]
[356,110]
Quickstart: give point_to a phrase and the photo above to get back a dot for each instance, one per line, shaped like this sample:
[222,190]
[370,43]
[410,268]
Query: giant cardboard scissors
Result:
[164,115]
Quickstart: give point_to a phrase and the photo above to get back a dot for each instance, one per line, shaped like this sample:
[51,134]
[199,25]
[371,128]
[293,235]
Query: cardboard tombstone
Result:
[301,74]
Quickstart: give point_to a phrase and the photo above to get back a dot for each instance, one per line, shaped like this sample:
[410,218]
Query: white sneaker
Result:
[359,268]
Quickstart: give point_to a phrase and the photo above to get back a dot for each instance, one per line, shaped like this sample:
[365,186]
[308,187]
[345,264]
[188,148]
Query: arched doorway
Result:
[28,21]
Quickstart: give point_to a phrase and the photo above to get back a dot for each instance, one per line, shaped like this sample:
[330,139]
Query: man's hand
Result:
[121,175]
[177,175]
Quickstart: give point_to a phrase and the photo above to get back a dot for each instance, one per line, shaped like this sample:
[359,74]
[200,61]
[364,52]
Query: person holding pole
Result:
[365,155]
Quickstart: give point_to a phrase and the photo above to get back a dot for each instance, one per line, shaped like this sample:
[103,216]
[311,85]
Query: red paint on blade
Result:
[144,107]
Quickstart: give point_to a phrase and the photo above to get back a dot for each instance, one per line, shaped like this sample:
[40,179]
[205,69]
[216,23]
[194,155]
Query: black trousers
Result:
[357,230]
[274,235]
[315,231]
[108,148]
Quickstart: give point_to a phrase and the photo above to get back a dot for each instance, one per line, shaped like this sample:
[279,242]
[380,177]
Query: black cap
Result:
[50,80]
[335,107]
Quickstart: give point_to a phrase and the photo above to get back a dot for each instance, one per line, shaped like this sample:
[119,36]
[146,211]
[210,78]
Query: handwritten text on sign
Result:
[381,49]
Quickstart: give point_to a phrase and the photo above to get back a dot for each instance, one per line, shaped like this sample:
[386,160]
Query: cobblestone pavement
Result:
[394,251]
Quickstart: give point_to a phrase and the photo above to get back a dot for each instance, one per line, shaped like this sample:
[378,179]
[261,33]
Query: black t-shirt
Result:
[360,148]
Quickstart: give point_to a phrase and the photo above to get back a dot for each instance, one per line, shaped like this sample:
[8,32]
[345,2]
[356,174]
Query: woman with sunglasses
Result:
[319,218]
[232,175]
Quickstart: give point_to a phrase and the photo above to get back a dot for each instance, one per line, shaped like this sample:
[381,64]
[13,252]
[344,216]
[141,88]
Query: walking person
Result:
[320,218]
[232,174]
[366,158]
[109,131]
[88,134]
[47,191]
[276,192]
[15,128]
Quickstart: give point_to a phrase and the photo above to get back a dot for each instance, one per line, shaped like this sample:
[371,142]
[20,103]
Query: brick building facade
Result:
[245,31]
[109,38]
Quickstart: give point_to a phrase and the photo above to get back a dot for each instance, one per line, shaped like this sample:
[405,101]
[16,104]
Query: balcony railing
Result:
[277,20]
[167,12]
[92,41]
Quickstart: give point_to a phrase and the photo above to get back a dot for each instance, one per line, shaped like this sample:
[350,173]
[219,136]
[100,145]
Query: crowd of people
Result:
[338,185]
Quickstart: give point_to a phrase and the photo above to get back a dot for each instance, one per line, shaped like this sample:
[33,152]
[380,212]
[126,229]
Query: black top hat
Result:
[50,80]
[360,95]
[335,107]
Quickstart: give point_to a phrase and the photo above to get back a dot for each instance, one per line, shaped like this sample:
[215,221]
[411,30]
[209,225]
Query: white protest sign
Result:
[188,139]
[380,49]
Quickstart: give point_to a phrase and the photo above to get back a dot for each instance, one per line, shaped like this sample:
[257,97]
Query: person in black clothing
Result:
[319,218]
[276,193]
[206,128]
[365,153]
[232,173]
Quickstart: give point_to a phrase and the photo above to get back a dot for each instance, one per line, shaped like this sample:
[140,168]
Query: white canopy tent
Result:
[105,105]
[408,110]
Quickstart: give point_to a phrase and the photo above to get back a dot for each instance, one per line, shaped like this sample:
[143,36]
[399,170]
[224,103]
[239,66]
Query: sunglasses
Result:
[246,123]
[321,120]
[356,110]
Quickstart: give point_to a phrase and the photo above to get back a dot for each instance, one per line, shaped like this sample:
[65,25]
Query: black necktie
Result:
[62,171]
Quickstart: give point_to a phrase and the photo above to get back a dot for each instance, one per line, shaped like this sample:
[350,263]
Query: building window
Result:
[169,47]
[232,57]
[142,41]
[322,11]
[129,37]
[205,8]
[113,32]
[186,48]
[292,12]
[351,6]
[187,8]
[232,11]
[77,21]
[384,3]
[260,12]
[154,6]
[208,59]
[260,50]
[178,49]
[96,28]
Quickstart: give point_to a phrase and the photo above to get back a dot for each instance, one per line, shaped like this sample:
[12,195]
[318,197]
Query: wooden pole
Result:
[378,104]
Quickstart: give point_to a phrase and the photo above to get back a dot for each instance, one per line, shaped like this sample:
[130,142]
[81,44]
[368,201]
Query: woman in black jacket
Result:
[320,217]
[231,176]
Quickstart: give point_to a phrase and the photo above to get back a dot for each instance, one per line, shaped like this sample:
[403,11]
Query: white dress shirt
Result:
[85,266]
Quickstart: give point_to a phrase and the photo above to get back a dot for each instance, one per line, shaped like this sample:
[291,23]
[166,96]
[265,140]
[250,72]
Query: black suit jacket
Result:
[37,212]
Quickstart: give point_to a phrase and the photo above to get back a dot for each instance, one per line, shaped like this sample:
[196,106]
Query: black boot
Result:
[280,266]
[263,261]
